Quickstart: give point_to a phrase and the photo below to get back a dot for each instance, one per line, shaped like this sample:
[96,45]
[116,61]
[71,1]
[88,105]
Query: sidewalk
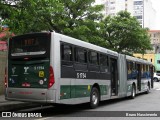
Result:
[6,105]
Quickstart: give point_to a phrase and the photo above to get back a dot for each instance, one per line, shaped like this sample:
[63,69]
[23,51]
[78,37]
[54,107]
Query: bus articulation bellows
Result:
[53,68]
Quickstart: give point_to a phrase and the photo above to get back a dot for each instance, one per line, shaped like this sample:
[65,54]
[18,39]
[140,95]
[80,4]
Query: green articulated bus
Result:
[48,67]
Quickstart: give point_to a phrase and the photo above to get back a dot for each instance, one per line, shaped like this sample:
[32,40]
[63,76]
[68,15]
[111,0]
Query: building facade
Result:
[148,57]
[154,58]
[155,41]
[141,9]
[153,55]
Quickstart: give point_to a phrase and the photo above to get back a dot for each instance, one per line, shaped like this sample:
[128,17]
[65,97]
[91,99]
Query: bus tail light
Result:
[51,77]
[5,78]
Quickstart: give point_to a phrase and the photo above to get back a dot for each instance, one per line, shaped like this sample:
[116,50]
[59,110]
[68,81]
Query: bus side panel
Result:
[130,85]
[79,92]
[122,75]
[144,84]
[55,63]
[84,86]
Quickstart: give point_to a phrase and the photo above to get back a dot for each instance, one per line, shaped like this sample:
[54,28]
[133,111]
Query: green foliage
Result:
[31,15]
[79,19]
[57,15]
[124,34]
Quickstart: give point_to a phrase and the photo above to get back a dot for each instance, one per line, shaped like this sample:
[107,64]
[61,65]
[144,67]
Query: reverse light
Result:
[51,77]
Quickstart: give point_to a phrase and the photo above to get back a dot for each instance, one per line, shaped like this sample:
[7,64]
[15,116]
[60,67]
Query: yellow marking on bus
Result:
[41,73]
[89,87]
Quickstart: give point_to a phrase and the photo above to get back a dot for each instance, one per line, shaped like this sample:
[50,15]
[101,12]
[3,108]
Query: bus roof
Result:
[85,44]
[137,60]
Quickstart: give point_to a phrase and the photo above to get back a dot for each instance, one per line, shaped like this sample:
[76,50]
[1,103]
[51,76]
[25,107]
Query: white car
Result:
[156,77]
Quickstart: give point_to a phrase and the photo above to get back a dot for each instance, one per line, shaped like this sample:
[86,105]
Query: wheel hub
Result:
[94,98]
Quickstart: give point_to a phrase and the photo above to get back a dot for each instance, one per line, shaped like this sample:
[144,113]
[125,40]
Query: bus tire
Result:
[94,98]
[148,88]
[133,93]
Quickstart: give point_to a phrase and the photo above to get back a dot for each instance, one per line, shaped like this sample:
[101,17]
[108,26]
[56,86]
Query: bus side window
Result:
[104,63]
[80,55]
[93,58]
[129,70]
[142,71]
[134,71]
[66,52]
[93,61]
[148,71]
[66,55]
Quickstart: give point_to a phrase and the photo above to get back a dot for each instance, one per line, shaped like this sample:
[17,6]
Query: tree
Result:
[75,18]
[29,15]
[78,19]
[5,34]
[124,34]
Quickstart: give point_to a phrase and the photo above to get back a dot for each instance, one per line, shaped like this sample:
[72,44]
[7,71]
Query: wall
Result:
[155,59]
[148,57]
[157,62]
[2,70]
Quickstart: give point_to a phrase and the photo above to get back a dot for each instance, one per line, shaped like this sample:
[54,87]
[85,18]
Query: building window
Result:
[112,8]
[158,61]
[138,2]
[139,17]
[112,2]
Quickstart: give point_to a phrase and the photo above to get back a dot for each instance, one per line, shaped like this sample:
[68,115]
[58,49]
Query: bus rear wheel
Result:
[148,88]
[94,98]
[133,93]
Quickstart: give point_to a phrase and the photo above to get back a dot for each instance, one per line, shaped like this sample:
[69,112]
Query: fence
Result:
[3,61]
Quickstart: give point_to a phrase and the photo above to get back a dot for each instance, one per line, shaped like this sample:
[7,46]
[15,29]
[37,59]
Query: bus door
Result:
[114,76]
[139,77]
[151,75]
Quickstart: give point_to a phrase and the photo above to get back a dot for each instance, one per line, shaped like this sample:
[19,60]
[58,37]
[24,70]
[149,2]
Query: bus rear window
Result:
[29,45]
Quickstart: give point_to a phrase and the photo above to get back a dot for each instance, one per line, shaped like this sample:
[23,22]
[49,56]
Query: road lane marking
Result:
[44,118]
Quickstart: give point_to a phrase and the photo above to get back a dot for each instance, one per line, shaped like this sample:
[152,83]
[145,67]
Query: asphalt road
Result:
[108,110]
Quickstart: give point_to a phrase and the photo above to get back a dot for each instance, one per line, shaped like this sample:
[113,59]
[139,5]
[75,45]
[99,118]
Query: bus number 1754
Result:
[81,75]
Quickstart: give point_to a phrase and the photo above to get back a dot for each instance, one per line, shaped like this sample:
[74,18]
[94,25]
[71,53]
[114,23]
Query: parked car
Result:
[156,77]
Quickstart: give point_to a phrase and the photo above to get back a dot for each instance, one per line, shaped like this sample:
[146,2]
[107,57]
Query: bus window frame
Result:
[21,57]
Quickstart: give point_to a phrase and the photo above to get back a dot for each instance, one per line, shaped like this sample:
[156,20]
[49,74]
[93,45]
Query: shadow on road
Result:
[80,110]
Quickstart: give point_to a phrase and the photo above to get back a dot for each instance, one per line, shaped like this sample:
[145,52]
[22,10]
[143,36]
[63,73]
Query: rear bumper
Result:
[31,95]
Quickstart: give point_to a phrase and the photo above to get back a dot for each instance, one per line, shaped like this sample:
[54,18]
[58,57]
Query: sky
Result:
[156,6]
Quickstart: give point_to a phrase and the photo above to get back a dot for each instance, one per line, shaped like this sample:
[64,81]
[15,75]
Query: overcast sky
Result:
[156,5]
